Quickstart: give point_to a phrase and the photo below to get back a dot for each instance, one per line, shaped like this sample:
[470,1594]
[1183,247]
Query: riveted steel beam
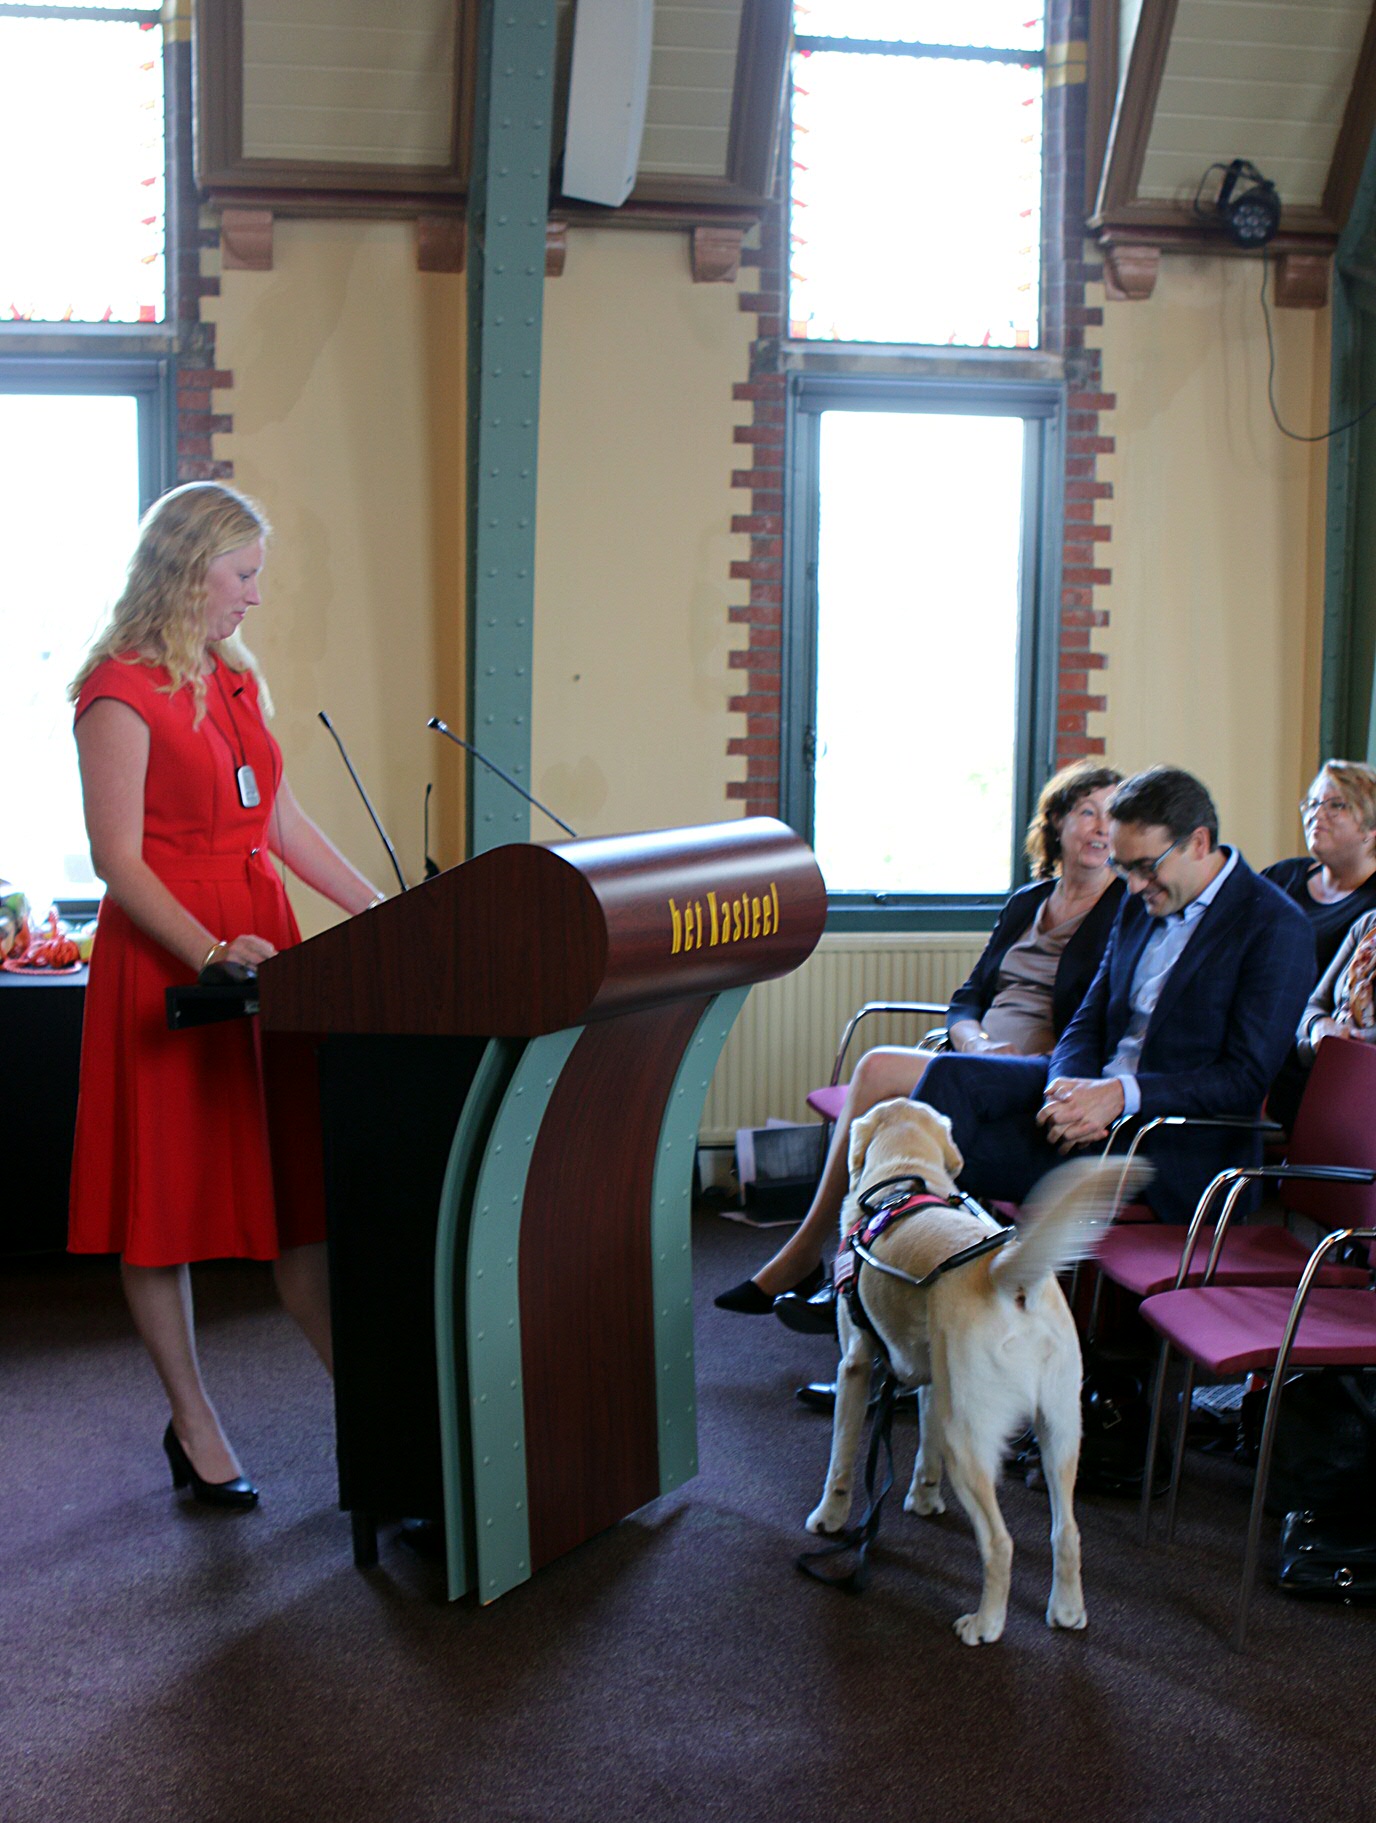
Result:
[507,208]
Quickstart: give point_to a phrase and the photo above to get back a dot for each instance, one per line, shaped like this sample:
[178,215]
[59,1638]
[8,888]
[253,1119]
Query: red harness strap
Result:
[869,1228]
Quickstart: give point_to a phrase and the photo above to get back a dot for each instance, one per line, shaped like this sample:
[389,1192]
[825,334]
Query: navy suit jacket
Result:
[1219,1032]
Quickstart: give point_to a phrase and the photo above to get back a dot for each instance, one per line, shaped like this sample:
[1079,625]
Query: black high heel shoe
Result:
[747,1300]
[237,1494]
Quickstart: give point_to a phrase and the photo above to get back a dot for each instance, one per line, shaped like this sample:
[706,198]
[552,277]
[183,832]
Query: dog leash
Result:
[859,1538]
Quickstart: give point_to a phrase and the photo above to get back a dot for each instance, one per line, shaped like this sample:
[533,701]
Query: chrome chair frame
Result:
[1243,1123]
[929,1008]
[1236,1181]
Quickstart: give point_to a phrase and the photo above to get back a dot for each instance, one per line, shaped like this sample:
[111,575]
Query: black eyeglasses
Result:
[1144,870]
[1310,807]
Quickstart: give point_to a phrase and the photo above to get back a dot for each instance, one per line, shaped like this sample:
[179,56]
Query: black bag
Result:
[1115,1418]
[1324,1456]
[1328,1557]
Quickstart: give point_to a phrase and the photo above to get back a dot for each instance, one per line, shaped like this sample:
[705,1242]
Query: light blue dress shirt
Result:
[1162,951]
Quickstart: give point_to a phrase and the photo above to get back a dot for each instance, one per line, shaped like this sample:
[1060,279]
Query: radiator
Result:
[785,1040]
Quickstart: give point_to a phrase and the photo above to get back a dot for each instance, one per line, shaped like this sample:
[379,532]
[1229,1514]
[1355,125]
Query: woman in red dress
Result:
[184,799]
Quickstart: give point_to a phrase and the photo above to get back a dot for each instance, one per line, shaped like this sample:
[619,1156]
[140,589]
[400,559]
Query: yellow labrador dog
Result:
[991,1344]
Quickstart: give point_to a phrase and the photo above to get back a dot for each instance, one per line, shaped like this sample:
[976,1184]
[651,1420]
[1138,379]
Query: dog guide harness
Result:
[879,1212]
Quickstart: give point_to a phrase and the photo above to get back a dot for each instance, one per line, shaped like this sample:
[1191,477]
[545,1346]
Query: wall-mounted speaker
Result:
[609,85]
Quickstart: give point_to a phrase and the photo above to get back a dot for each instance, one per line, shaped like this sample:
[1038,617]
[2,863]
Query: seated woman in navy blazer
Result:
[1022,993]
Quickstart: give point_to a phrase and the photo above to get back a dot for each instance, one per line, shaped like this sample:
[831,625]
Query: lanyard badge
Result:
[244,775]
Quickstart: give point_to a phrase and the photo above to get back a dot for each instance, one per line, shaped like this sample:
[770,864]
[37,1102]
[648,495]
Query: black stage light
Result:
[1247,207]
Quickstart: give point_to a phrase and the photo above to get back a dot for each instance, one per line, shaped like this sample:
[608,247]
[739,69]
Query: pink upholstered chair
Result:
[1334,1126]
[1232,1329]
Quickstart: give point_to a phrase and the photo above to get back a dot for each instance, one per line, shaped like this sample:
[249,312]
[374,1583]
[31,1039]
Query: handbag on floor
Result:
[1328,1557]
[1324,1456]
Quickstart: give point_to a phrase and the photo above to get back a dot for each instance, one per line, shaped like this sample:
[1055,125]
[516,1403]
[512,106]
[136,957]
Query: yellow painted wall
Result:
[635,546]
[348,406]
[1217,552]
[348,425]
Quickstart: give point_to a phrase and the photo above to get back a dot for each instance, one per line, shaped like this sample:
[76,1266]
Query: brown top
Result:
[1020,1012]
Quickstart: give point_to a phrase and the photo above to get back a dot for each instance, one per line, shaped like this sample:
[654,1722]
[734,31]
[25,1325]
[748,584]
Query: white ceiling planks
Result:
[349,81]
[1258,80]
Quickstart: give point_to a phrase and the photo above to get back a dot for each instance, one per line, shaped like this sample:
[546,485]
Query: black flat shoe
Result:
[238,1494]
[820,1396]
[814,1316]
[747,1300]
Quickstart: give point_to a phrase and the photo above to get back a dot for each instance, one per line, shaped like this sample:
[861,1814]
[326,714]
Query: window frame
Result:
[1042,406]
[149,379]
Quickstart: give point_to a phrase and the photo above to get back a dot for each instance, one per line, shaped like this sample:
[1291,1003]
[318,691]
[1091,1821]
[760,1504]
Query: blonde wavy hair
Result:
[159,618]
[1358,782]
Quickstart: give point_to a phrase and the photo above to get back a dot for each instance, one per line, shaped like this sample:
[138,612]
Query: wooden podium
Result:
[513,1061]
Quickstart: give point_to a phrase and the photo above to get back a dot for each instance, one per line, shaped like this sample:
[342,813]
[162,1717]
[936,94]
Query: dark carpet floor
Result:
[158,1661]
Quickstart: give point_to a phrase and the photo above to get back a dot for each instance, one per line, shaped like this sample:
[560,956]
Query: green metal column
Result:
[507,208]
[671,1238]
[1347,714]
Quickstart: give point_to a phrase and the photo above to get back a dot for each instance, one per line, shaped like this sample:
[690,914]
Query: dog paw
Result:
[974,1631]
[1070,1615]
[925,1499]
[829,1517]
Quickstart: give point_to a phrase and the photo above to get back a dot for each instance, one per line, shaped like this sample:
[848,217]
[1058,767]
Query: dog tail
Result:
[1063,1219]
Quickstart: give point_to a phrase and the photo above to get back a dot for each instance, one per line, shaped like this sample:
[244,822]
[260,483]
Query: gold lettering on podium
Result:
[744,919]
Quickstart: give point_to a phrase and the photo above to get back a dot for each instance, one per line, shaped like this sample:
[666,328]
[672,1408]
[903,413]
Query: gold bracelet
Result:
[212,953]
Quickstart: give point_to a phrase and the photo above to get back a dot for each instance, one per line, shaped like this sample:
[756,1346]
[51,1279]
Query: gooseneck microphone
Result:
[432,866]
[367,805]
[441,728]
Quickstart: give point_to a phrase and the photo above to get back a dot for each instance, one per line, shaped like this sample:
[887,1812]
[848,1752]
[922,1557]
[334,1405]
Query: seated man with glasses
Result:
[1192,1011]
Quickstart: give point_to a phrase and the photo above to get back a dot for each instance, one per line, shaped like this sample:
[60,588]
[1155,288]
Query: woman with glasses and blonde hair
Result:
[184,798]
[1334,885]
[1032,975]
[1335,882]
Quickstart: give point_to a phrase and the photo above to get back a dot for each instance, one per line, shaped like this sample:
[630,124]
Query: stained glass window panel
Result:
[916,212]
[1006,25]
[81,137]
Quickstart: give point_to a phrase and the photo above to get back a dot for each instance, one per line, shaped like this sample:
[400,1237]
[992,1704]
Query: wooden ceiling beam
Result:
[1354,135]
[1136,109]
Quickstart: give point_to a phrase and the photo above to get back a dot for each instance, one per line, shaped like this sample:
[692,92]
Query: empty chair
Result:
[828,1101]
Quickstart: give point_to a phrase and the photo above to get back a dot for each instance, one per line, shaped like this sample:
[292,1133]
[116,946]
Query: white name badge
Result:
[247,780]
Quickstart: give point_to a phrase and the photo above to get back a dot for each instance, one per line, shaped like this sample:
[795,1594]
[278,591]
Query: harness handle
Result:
[963,1258]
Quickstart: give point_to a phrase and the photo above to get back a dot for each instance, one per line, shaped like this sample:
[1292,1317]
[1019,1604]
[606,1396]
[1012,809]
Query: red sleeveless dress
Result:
[182,1152]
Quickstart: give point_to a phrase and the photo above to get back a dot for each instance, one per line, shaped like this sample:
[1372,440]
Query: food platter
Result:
[11,967]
